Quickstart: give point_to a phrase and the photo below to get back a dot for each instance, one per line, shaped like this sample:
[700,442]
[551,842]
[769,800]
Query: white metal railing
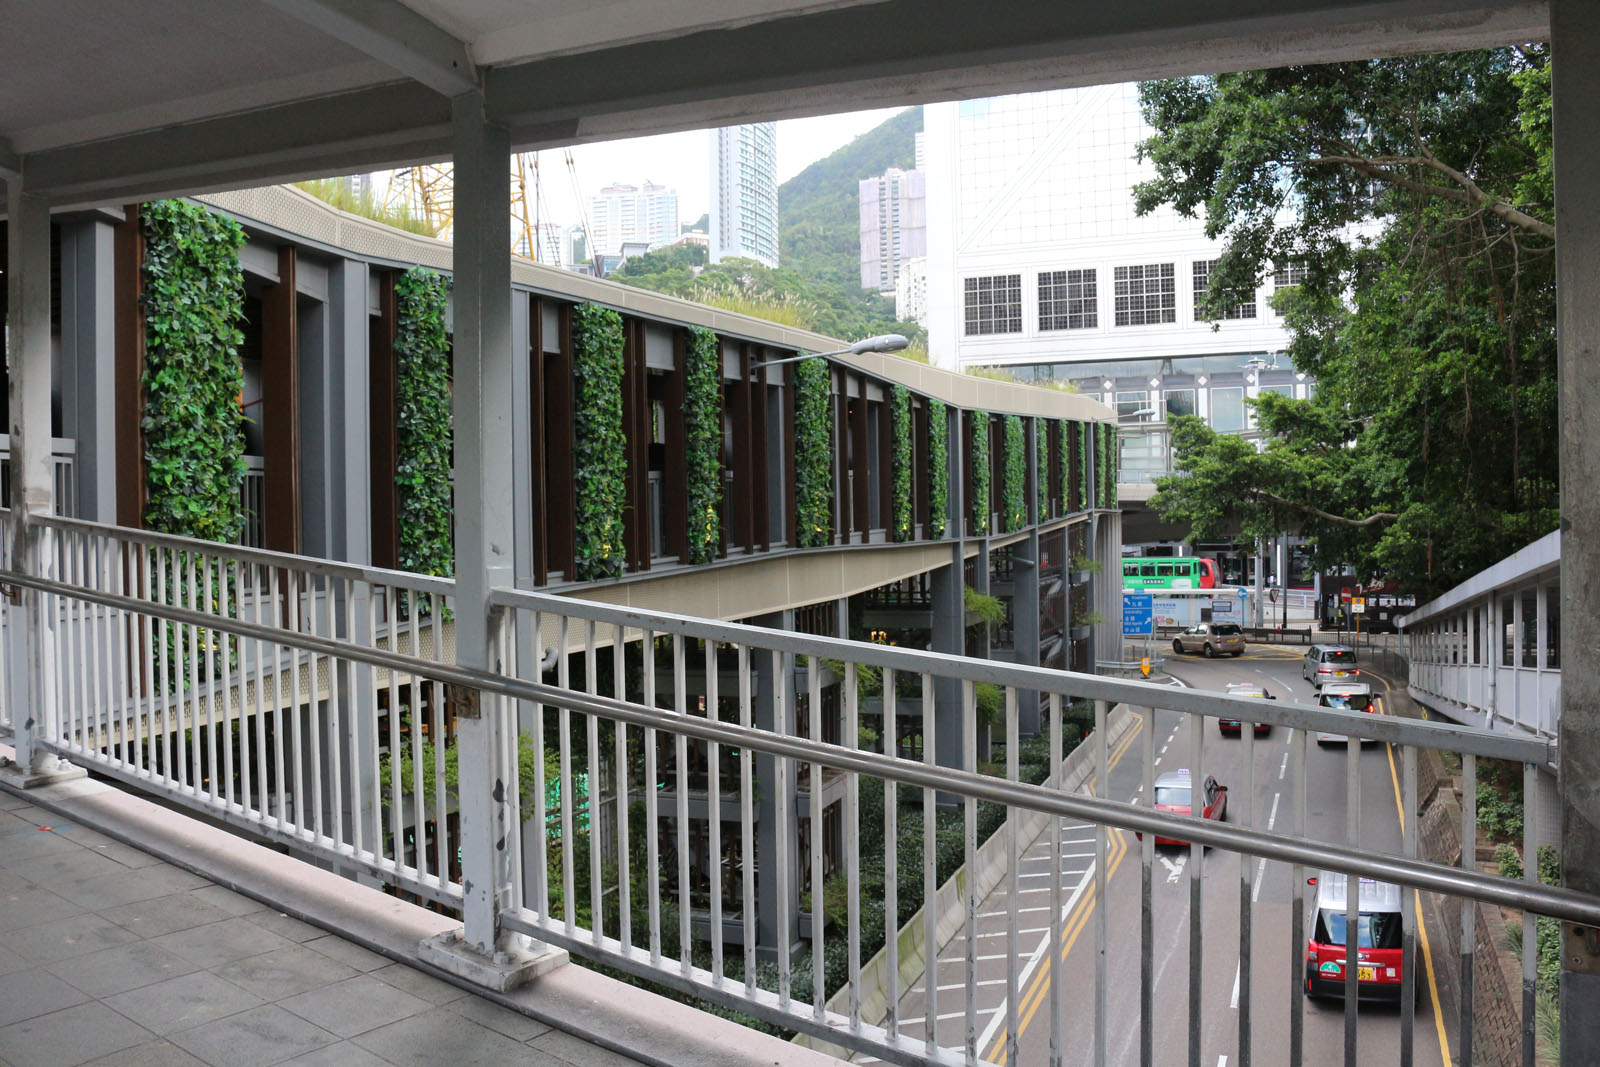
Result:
[648,720]
[64,463]
[253,501]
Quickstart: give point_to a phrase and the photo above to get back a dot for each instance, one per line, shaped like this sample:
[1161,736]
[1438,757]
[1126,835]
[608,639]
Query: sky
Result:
[682,161]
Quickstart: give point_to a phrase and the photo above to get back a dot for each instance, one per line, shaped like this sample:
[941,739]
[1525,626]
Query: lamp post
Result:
[889,342]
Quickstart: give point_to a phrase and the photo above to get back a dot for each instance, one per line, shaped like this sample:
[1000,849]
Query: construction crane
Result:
[427,193]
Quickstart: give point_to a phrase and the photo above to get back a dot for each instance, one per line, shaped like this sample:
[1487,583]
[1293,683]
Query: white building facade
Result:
[623,214]
[911,291]
[744,193]
[894,225]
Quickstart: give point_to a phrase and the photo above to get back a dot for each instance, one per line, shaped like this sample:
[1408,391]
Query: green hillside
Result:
[818,209]
[818,285]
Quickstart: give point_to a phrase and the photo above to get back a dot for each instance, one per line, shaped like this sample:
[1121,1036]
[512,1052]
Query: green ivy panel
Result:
[900,412]
[423,439]
[1014,465]
[193,431]
[702,417]
[599,454]
[1041,468]
[938,468]
[981,472]
[813,453]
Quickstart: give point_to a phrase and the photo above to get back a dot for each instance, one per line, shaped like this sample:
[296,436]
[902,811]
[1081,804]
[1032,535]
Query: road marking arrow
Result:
[1174,870]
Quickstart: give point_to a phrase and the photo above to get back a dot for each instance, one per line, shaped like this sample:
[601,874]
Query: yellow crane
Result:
[427,193]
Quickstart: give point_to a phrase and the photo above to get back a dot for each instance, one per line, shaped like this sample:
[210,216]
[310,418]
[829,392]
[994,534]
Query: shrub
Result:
[702,417]
[423,449]
[599,455]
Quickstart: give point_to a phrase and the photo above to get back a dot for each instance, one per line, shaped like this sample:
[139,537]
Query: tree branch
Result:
[1375,517]
[1378,167]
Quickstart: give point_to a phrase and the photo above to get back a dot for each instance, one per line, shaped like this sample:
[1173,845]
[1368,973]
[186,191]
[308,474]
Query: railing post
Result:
[30,694]
[486,951]
[1575,93]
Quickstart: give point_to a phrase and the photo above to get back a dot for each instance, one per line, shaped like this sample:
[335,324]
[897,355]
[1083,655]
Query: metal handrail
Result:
[1419,732]
[1556,902]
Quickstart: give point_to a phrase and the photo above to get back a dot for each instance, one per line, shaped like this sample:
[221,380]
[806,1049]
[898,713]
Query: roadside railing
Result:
[64,463]
[669,765]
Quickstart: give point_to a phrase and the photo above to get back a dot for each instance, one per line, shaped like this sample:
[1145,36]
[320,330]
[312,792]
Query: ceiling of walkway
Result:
[104,101]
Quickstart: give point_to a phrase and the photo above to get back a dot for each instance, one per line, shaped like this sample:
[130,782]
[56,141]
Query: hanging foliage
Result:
[702,418]
[599,454]
[1014,465]
[1063,472]
[1041,468]
[193,304]
[938,467]
[423,444]
[1108,466]
[1085,466]
[900,409]
[813,453]
[980,504]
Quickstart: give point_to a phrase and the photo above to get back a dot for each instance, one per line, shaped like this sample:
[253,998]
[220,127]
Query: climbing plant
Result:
[599,457]
[1063,463]
[813,454]
[423,449]
[900,409]
[1041,468]
[1014,467]
[193,302]
[702,418]
[1108,465]
[1085,467]
[980,503]
[938,467]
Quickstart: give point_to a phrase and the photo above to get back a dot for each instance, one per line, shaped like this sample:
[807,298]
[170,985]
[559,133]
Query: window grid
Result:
[1068,299]
[1146,294]
[1244,309]
[994,304]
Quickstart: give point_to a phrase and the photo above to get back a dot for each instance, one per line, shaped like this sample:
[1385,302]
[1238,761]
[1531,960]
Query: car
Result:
[1380,939]
[1349,696]
[1211,638]
[1329,663]
[1227,727]
[1175,794]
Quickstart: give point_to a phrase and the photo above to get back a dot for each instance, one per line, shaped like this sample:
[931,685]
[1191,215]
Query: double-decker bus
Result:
[1169,572]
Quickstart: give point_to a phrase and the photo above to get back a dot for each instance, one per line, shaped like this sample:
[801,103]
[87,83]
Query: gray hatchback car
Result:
[1329,663]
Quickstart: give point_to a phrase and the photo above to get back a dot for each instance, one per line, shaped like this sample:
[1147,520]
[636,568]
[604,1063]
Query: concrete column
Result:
[1260,582]
[483,520]
[88,366]
[1575,42]
[771,836]
[315,384]
[28,276]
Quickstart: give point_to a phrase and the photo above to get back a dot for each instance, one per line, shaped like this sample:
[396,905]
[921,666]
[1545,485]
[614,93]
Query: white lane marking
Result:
[1003,914]
[1174,868]
[1273,817]
[1233,1004]
[919,1020]
[1163,750]
[1283,767]
[1222,1061]
[1261,871]
[1038,954]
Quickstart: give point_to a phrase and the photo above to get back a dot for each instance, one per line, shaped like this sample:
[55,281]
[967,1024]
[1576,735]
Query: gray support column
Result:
[87,366]
[521,445]
[1025,624]
[483,520]
[1260,583]
[315,381]
[1575,40]
[30,666]
[949,608]
[771,837]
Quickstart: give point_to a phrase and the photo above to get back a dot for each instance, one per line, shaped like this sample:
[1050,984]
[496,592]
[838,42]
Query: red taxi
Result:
[1379,939]
[1175,794]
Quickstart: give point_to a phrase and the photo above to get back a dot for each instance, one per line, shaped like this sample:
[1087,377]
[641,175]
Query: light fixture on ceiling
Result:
[1202,379]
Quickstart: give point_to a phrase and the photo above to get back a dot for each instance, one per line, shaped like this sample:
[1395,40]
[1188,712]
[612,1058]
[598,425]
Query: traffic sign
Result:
[1358,605]
[1242,592]
[1138,614]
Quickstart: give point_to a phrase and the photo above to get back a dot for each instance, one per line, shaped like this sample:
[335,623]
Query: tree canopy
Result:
[1412,200]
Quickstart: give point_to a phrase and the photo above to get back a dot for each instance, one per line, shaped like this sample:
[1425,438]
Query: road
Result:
[1272,803]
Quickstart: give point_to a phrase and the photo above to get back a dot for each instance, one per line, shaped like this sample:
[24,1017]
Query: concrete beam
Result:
[392,33]
[10,162]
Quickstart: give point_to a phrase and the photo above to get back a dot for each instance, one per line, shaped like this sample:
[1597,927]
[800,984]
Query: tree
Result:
[1411,198]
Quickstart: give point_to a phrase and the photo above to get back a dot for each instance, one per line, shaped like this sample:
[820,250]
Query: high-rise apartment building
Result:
[621,213]
[894,226]
[744,193]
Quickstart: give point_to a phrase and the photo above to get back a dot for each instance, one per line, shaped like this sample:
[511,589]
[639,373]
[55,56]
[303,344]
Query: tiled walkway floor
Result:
[110,956]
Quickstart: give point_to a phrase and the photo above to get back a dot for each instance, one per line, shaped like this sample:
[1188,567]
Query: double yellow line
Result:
[1034,996]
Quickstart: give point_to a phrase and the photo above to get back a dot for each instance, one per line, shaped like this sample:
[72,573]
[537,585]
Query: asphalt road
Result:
[1275,962]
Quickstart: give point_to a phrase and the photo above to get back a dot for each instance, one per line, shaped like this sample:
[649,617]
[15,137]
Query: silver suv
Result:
[1329,663]
[1212,639]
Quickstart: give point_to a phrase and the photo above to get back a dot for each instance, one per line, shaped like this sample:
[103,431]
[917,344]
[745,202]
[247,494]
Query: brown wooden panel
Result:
[558,414]
[791,508]
[280,406]
[860,460]
[382,376]
[743,457]
[841,459]
[633,501]
[675,473]
[759,444]
[536,452]
[128,338]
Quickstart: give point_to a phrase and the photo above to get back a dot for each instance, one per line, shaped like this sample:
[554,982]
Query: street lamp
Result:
[889,342]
